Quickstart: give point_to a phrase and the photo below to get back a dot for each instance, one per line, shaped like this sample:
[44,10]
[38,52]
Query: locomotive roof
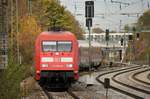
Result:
[57,34]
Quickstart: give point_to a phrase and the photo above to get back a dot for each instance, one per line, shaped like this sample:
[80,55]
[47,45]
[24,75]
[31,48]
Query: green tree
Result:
[144,19]
[50,13]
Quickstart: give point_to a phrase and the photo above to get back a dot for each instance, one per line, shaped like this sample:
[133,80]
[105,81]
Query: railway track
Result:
[46,94]
[77,94]
[73,95]
[148,76]
[60,95]
[123,84]
[127,84]
[142,77]
[77,91]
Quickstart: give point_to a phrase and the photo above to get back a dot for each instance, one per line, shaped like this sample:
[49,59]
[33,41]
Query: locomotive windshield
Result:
[49,46]
[59,46]
[64,46]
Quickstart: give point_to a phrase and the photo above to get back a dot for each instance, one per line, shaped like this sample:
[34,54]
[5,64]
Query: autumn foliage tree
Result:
[50,13]
[144,24]
[141,46]
[29,30]
[144,20]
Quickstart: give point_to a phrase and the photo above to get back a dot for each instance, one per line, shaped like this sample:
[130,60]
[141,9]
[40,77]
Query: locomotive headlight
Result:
[44,65]
[66,59]
[47,59]
[69,65]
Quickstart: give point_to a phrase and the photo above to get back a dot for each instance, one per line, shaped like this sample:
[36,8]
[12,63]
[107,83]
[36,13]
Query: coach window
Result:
[64,46]
[49,46]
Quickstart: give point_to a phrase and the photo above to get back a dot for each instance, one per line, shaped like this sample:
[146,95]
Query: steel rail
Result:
[49,96]
[47,93]
[127,85]
[148,76]
[139,80]
[118,89]
[72,94]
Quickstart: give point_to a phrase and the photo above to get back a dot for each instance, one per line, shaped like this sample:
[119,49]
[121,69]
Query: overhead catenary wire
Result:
[111,10]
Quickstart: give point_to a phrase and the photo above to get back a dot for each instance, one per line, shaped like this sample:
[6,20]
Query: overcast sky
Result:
[107,13]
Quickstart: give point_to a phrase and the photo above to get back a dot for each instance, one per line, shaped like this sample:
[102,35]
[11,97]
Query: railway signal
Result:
[120,54]
[89,9]
[89,22]
[130,37]
[106,85]
[107,35]
[121,41]
[107,39]
[89,14]
[137,36]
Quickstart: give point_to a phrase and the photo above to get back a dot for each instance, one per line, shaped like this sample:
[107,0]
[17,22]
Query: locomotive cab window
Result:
[49,46]
[64,46]
[53,46]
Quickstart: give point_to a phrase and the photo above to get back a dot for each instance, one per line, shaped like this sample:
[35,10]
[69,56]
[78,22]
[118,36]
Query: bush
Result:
[10,80]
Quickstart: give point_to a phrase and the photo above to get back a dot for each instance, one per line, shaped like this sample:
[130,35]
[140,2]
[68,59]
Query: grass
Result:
[10,80]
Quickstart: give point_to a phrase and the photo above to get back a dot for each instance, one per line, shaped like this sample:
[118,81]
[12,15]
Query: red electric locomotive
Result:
[56,56]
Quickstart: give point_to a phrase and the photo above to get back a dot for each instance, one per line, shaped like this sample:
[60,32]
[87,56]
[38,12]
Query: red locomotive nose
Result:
[57,53]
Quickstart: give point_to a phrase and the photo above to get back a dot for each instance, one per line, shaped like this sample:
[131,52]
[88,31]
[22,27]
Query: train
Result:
[57,58]
[90,58]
